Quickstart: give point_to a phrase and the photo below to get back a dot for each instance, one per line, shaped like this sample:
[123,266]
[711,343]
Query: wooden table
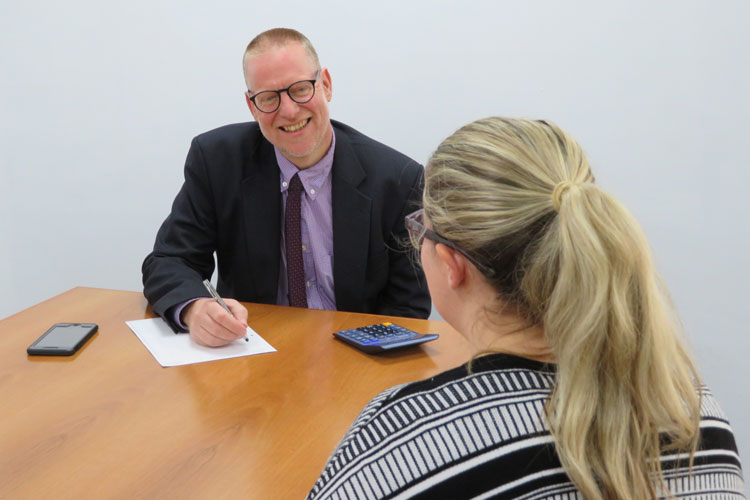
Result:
[110,422]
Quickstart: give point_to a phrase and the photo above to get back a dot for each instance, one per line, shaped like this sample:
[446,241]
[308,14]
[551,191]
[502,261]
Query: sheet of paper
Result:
[171,349]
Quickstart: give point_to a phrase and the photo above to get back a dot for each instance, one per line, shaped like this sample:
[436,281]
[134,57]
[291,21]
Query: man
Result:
[300,210]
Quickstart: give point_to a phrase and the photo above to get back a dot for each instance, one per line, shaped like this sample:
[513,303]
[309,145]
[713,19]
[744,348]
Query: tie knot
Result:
[295,185]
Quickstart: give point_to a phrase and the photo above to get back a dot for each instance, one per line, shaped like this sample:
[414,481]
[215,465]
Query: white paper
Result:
[174,349]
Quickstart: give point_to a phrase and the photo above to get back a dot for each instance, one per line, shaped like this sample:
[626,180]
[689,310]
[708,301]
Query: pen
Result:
[218,299]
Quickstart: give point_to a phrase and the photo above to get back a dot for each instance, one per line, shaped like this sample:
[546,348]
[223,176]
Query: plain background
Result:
[100,101]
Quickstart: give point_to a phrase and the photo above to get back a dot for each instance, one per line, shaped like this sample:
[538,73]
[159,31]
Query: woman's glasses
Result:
[418,232]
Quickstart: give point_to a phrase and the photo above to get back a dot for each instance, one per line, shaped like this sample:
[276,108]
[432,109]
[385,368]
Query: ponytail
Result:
[623,376]
[570,257]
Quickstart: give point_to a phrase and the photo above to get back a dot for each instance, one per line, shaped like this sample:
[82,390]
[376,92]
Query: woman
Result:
[582,386]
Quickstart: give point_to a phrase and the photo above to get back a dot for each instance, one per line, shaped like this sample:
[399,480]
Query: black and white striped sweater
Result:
[482,435]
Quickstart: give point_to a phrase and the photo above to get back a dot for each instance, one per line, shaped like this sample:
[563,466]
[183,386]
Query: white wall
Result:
[100,101]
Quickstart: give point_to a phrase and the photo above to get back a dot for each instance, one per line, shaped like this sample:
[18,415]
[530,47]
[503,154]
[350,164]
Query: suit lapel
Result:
[351,226]
[261,202]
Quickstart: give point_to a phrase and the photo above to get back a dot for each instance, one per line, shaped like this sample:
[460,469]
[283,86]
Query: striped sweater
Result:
[482,435]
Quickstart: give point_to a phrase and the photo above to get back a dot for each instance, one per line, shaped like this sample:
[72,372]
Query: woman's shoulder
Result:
[490,412]
[516,387]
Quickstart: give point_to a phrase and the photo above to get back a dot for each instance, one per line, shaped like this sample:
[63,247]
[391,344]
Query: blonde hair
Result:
[519,196]
[278,37]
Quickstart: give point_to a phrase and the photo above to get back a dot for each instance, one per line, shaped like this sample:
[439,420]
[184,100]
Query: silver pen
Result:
[218,299]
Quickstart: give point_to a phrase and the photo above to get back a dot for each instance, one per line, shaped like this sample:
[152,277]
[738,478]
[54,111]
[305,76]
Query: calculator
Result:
[382,337]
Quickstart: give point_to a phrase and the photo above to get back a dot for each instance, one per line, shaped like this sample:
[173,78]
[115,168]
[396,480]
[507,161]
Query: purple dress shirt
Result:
[317,230]
[317,233]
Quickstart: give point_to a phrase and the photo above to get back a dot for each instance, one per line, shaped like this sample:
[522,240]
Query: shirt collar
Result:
[312,177]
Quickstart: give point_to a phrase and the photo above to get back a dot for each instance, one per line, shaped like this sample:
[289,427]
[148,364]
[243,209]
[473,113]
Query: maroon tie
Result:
[295,269]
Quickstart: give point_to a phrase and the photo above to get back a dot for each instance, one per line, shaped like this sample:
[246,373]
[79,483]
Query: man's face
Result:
[302,132]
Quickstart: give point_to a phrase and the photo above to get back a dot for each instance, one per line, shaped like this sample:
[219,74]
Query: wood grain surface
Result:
[110,422]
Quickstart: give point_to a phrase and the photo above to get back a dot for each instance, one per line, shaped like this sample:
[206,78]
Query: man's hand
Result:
[210,325]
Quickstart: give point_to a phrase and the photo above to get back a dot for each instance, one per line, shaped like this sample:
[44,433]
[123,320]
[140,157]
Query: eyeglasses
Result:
[418,232]
[268,101]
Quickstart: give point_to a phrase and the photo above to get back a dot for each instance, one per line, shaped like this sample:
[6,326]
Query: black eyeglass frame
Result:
[280,91]
[418,231]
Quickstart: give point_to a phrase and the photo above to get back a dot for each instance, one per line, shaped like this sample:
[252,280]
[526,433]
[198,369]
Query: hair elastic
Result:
[557,193]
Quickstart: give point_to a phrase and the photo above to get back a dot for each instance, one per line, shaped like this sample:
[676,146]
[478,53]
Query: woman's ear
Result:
[453,263]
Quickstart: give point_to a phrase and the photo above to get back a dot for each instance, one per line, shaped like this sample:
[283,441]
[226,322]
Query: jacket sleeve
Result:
[406,292]
[183,254]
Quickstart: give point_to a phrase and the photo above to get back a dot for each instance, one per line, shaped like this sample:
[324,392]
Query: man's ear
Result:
[453,263]
[325,80]
[250,104]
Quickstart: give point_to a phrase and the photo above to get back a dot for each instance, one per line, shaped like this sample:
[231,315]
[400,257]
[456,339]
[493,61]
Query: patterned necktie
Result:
[295,268]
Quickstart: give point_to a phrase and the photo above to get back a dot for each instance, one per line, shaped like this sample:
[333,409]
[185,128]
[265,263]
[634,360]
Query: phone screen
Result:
[64,336]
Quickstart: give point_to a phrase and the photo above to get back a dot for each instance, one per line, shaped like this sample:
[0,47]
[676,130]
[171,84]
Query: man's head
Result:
[273,61]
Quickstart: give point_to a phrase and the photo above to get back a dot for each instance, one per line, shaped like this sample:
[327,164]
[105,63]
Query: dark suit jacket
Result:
[230,204]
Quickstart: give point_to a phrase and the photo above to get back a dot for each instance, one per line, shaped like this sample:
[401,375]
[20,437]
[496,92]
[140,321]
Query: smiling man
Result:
[299,209]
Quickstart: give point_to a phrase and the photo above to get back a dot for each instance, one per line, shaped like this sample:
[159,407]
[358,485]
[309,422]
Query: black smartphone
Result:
[62,339]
